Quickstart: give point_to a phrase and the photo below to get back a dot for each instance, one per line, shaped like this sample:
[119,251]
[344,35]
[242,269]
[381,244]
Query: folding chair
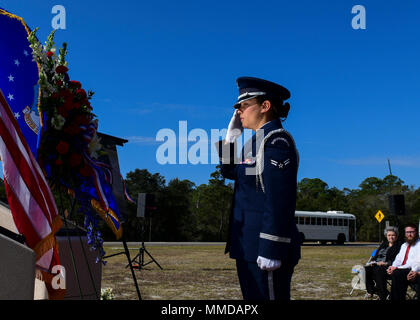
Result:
[412,294]
[359,280]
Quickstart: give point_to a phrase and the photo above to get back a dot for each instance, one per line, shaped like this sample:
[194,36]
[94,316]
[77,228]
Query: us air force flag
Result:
[19,76]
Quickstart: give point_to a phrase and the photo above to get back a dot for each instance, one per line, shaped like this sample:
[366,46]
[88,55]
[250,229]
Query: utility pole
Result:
[389,167]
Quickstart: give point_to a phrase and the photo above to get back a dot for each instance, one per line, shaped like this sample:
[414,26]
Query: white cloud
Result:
[142,140]
[402,161]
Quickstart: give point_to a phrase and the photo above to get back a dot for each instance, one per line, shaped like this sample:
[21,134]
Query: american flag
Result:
[19,76]
[31,202]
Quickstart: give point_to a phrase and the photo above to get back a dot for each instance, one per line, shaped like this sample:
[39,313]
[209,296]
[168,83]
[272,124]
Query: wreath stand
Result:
[126,252]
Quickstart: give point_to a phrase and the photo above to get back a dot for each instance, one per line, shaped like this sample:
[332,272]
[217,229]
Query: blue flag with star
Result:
[19,76]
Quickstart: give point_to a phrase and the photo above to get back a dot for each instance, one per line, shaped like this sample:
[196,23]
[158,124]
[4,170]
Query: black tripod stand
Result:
[139,258]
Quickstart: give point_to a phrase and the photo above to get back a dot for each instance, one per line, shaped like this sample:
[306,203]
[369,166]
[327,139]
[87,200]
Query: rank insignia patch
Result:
[280,164]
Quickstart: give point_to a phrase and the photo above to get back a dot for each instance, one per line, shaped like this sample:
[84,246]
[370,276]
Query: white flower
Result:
[107,294]
[58,122]
[94,146]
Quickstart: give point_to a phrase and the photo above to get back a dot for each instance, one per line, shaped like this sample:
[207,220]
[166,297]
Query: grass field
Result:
[205,272]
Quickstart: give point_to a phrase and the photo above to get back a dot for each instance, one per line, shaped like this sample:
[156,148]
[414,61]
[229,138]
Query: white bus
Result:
[334,226]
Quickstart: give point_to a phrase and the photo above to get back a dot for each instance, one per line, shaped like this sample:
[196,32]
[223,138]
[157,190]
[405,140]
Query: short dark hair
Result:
[412,225]
[280,109]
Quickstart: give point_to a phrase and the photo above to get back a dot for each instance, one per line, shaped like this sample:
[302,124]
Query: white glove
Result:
[268,264]
[234,129]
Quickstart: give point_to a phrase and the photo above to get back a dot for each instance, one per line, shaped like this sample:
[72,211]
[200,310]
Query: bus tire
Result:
[341,238]
[302,237]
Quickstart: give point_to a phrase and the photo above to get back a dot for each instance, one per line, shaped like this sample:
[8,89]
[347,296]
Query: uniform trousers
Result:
[400,284]
[257,284]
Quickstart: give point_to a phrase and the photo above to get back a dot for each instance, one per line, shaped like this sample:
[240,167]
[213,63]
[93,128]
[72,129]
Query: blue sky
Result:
[355,93]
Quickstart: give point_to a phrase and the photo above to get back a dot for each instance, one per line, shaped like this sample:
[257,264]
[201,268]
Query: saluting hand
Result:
[235,128]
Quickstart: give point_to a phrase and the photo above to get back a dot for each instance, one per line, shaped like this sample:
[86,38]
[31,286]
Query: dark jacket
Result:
[391,253]
[262,217]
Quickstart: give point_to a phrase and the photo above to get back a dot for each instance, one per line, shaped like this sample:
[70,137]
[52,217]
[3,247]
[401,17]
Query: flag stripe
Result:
[23,174]
[45,261]
[13,127]
[39,177]
[26,200]
[31,202]
[22,222]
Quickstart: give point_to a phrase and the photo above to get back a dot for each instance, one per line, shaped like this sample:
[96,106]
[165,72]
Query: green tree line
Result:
[187,212]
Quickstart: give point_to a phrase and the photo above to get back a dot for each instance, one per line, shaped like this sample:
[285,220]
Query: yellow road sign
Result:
[379,216]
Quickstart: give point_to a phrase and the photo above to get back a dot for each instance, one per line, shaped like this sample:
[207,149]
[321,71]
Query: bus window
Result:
[346,222]
[301,220]
[340,222]
[307,220]
[319,221]
[329,221]
[334,222]
[313,221]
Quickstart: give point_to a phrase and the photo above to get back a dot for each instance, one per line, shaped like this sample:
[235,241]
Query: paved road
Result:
[118,245]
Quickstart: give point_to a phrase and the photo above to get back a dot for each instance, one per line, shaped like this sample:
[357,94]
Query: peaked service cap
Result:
[250,88]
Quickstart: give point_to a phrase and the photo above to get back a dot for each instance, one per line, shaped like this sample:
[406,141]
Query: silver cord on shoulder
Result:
[260,156]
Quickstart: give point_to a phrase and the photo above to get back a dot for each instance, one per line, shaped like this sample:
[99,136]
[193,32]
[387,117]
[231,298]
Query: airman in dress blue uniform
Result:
[263,237]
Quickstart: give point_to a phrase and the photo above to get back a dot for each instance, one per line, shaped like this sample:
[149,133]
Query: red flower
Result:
[72,129]
[62,111]
[85,171]
[76,105]
[85,102]
[62,147]
[50,54]
[75,84]
[58,162]
[75,159]
[68,104]
[81,120]
[59,83]
[66,94]
[81,93]
[61,69]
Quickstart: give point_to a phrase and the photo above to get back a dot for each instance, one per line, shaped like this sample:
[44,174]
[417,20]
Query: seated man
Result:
[406,267]
[376,268]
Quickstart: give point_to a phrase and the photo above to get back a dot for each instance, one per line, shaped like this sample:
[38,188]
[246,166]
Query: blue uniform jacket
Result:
[262,217]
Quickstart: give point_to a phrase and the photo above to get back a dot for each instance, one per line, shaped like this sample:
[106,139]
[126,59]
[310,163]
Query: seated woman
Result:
[376,274]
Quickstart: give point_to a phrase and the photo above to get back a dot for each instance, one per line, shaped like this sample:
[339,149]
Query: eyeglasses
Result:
[243,108]
[411,232]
